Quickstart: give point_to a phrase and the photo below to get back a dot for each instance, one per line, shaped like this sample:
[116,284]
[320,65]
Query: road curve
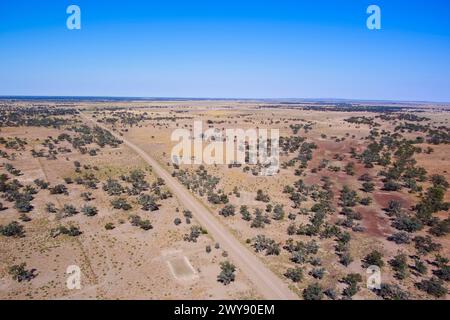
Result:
[268,284]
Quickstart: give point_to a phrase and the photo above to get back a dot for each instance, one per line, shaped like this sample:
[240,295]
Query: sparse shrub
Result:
[59,189]
[136,221]
[425,245]
[228,210]
[245,213]
[294,274]
[434,287]
[68,210]
[441,228]
[195,232]
[109,226]
[352,281]
[368,187]
[71,231]
[313,292]
[20,273]
[392,292]
[374,258]
[365,201]
[262,243]
[331,293]
[259,220]
[50,207]
[87,196]
[420,267]
[148,202]
[400,265]
[226,275]
[23,217]
[13,229]
[89,211]
[22,204]
[345,258]
[41,183]
[278,212]
[121,203]
[406,223]
[348,197]
[261,196]
[391,185]
[400,238]
[318,273]
[145,225]
[443,273]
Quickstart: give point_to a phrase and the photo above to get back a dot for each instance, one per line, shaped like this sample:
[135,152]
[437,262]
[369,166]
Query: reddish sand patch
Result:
[376,225]
[383,198]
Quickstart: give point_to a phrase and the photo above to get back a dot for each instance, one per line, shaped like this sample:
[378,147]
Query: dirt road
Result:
[267,283]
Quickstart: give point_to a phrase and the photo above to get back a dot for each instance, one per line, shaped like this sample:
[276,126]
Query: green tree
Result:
[313,292]
[374,258]
[400,265]
[226,275]
[294,274]
[433,286]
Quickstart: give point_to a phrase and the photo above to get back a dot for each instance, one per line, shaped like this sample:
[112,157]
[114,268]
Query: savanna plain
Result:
[92,185]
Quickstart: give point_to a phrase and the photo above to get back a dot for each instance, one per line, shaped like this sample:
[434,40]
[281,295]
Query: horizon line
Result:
[168,98]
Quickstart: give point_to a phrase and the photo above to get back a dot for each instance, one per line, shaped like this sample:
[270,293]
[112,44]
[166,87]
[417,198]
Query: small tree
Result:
[434,287]
[374,258]
[261,196]
[350,169]
[68,210]
[245,213]
[425,245]
[400,265]
[148,202]
[400,238]
[368,186]
[352,281]
[394,208]
[20,273]
[226,276]
[313,292]
[59,189]
[50,207]
[294,274]
[109,226]
[278,212]
[318,273]
[349,198]
[420,267]
[120,203]
[392,292]
[391,185]
[23,205]
[258,220]
[13,229]
[70,231]
[145,225]
[228,210]
[89,211]
[345,258]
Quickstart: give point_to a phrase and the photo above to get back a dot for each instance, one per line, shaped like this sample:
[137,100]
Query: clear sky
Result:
[227,49]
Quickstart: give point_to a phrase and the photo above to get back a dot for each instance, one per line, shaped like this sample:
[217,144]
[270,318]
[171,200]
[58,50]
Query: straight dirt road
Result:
[268,284]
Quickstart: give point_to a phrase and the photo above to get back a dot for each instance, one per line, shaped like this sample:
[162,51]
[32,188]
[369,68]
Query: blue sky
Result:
[228,49]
